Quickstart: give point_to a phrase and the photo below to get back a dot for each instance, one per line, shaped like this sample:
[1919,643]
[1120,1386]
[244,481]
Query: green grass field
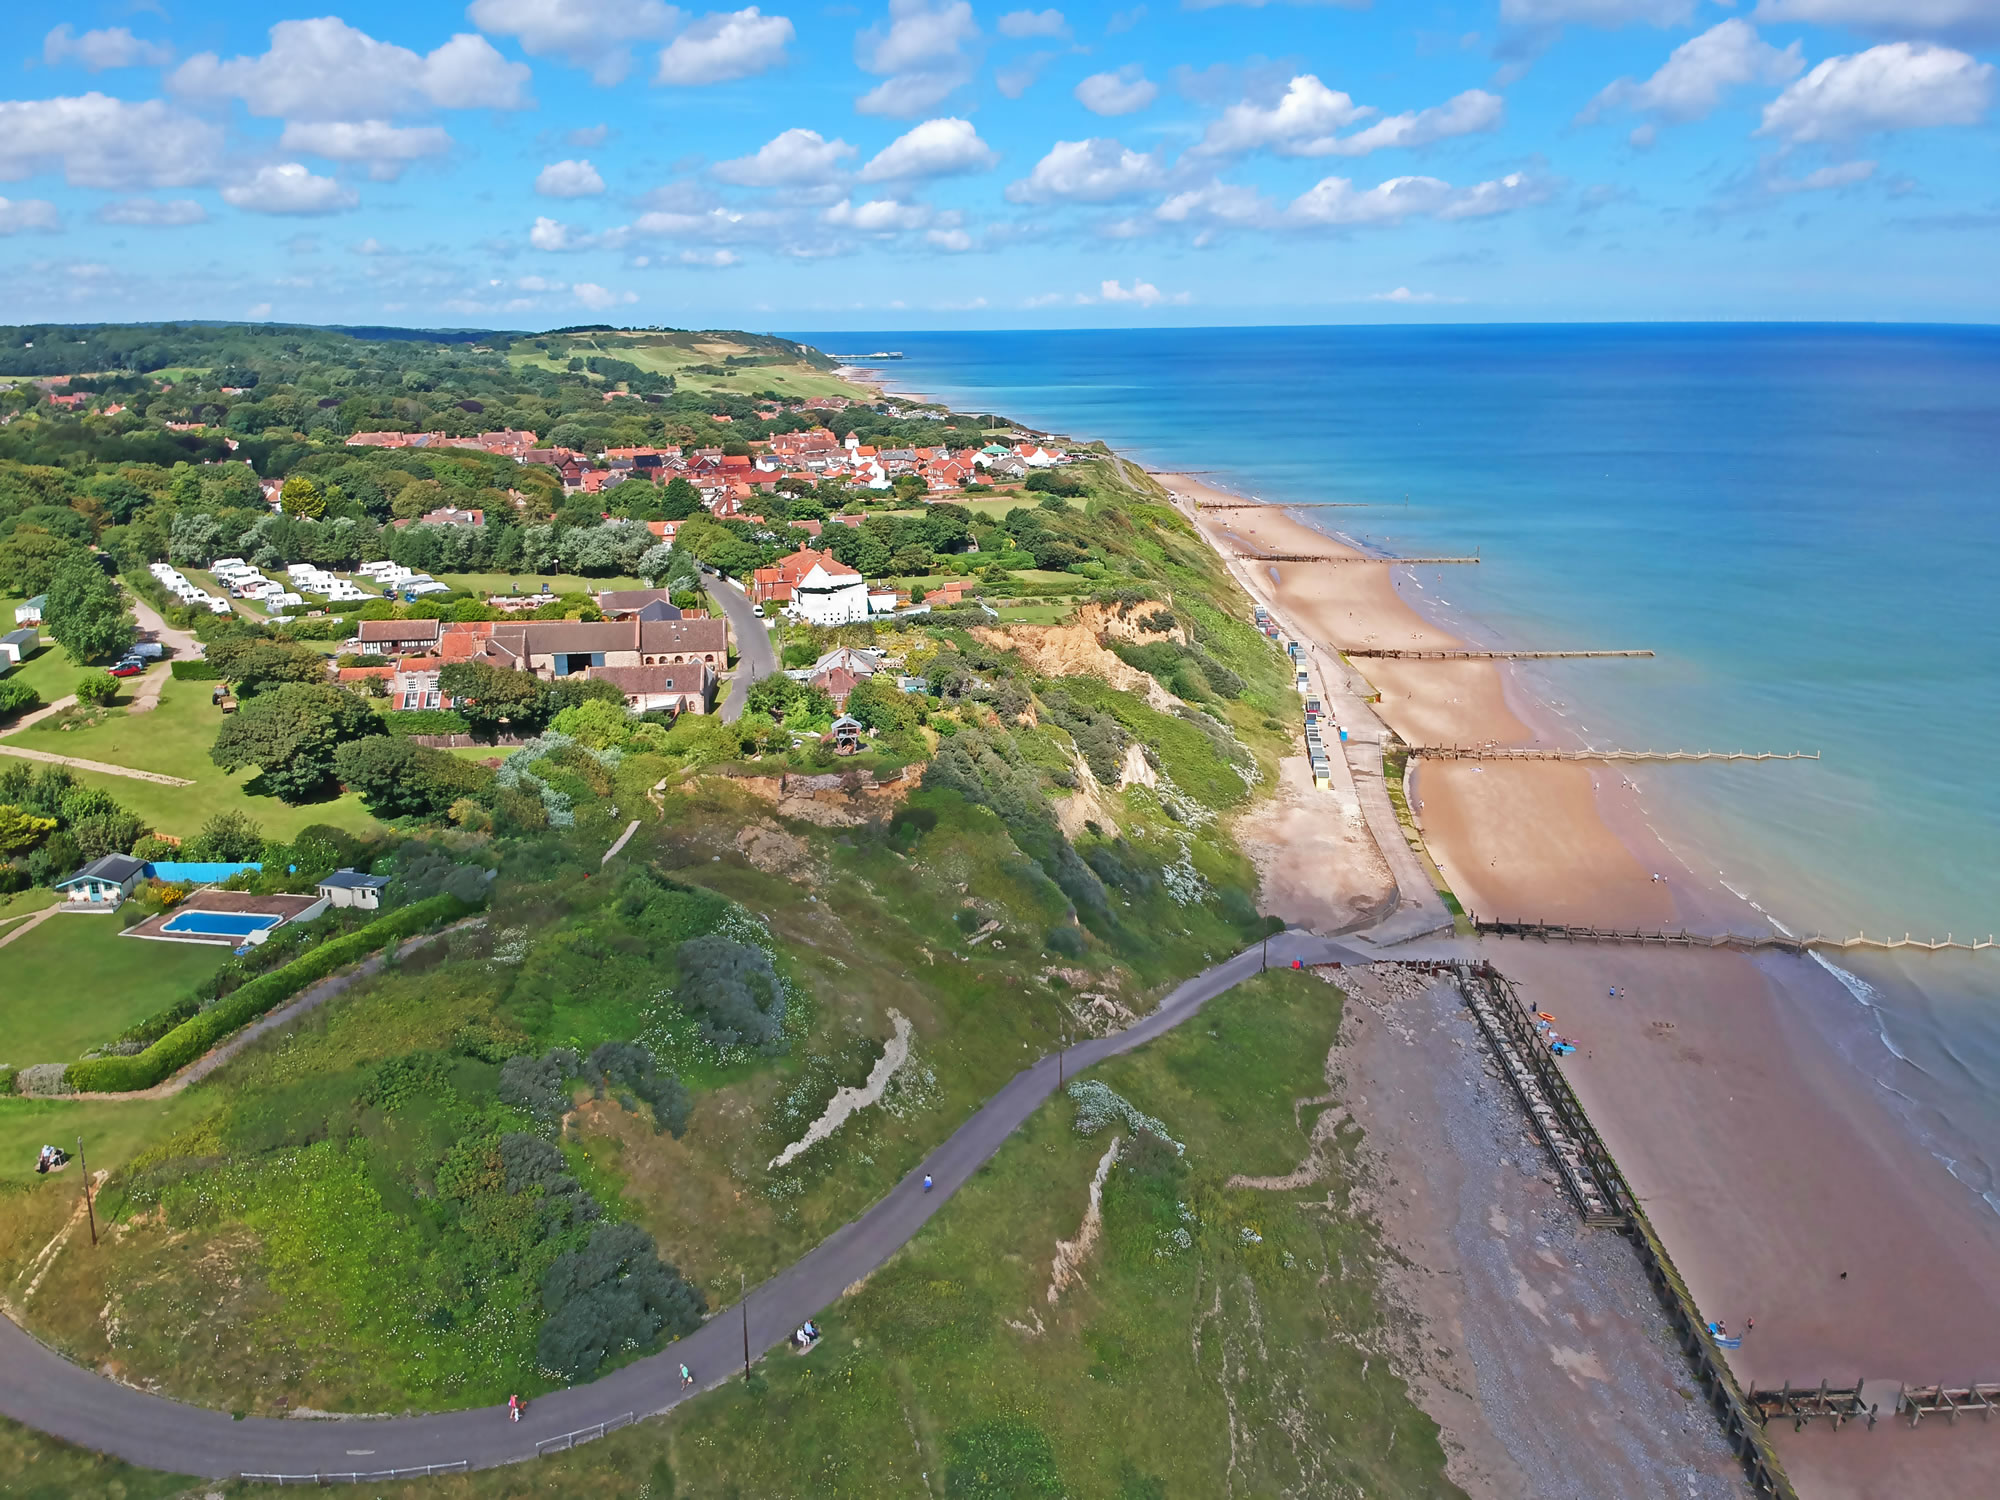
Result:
[174,740]
[531,583]
[74,982]
[34,1467]
[670,358]
[1248,1360]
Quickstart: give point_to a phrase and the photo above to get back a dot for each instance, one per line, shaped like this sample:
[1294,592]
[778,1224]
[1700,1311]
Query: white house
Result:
[831,594]
[350,888]
[30,613]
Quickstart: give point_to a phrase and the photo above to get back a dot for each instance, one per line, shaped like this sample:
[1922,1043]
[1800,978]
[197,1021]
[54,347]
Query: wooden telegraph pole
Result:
[88,1207]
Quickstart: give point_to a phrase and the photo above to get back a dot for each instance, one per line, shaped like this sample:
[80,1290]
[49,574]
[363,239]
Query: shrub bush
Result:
[194,1036]
[17,697]
[731,988]
[615,1293]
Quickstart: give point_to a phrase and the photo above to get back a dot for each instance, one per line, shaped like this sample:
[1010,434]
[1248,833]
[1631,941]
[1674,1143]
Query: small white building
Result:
[30,611]
[831,594]
[351,888]
[102,884]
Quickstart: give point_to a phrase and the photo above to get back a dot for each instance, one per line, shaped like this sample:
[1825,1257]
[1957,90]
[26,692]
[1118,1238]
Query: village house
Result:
[400,637]
[685,688]
[553,649]
[648,604]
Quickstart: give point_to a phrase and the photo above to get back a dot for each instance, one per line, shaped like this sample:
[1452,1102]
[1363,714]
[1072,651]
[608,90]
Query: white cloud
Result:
[1093,171]
[921,55]
[587,136]
[1302,123]
[288,189]
[387,148]
[1970,20]
[711,260]
[98,50]
[591,295]
[569,179]
[1899,86]
[1017,78]
[726,45]
[878,216]
[1121,93]
[1611,13]
[18,214]
[1140,293]
[1335,201]
[551,234]
[795,158]
[1473,111]
[1690,83]
[1027,23]
[716,225]
[947,147]
[152,213]
[102,142]
[953,240]
[1403,296]
[592,34]
[538,284]
[325,69]
[1216,202]
[1846,174]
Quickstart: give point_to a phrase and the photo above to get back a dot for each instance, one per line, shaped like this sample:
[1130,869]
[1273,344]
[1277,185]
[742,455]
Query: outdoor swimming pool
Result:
[219,923]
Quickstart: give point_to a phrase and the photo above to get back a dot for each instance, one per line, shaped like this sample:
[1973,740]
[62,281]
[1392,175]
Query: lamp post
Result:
[743,1281]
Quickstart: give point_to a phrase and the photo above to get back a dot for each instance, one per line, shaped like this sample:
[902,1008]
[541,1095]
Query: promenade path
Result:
[41,1389]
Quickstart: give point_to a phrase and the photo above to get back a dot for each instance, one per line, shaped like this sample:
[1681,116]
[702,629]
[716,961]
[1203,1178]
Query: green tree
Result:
[290,734]
[303,499]
[29,559]
[21,830]
[96,687]
[85,613]
[398,778]
[256,665]
[229,837]
[491,697]
[680,501]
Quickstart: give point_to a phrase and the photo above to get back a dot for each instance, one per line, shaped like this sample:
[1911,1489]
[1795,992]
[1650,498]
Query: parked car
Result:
[128,668]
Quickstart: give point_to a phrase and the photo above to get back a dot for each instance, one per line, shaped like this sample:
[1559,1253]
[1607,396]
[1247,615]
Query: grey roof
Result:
[352,880]
[116,868]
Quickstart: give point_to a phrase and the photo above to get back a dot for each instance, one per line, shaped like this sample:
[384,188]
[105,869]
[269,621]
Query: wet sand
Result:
[1766,1162]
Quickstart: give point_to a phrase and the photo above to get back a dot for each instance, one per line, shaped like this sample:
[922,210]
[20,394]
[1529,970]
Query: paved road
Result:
[756,657]
[43,1390]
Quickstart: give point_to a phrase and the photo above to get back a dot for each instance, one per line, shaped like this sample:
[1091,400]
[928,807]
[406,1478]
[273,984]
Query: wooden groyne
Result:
[1603,1196]
[1467,653]
[1564,932]
[1800,1404]
[1331,557]
[1529,752]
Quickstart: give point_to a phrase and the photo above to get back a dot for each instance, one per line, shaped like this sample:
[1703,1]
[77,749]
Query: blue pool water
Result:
[1802,520]
[219,923]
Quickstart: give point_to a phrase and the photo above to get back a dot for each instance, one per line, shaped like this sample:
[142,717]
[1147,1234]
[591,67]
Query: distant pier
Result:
[1570,933]
[1467,653]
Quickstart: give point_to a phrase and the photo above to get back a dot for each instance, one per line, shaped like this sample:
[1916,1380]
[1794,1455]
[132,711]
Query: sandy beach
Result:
[1767,1163]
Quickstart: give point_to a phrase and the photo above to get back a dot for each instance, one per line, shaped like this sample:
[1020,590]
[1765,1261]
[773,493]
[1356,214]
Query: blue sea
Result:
[1802,520]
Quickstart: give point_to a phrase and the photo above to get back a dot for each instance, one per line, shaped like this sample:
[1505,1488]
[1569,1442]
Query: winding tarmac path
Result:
[41,1389]
[755,657]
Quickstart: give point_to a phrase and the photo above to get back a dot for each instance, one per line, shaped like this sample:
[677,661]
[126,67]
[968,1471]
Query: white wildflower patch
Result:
[510,946]
[1097,1106]
[1182,880]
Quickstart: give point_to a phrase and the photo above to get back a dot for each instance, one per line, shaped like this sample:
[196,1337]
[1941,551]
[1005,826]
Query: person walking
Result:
[513,1408]
[927,1182]
[687,1377]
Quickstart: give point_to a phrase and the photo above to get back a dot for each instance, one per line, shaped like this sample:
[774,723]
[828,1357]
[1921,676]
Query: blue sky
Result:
[937,163]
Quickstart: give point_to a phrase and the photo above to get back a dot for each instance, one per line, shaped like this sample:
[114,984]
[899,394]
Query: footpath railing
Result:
[567,1440]
[1605,1198]
[1566,932]
[378,1476]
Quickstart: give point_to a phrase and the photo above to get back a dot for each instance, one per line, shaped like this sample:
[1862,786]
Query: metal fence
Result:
[582,1435]
[377,1476]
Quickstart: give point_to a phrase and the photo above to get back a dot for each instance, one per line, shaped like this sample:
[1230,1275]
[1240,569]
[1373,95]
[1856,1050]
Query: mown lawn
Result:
[1249,1361]
[73,983]
[174,740]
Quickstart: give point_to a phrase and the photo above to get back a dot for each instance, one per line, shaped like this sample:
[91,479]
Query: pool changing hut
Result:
[349,888]
[102,884]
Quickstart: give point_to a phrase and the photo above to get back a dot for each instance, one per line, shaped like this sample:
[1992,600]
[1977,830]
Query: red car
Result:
[128,669]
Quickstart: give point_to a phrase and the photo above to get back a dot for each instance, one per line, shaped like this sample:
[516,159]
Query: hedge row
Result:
[426,721]
[193,670]
[193,1037]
